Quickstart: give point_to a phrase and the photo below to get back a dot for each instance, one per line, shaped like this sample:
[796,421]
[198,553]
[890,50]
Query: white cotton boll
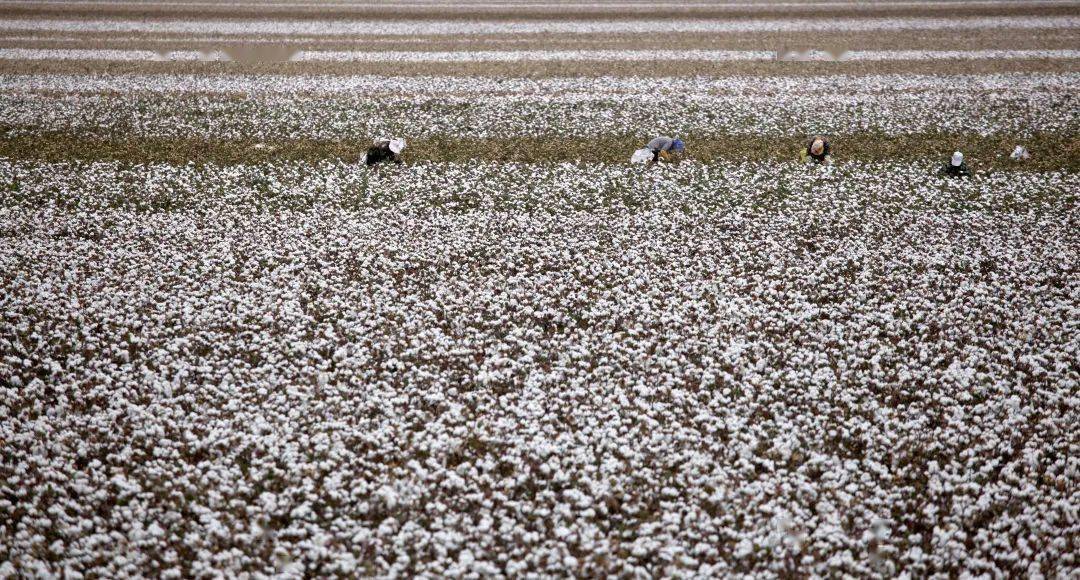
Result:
[346,563]
[466,558]
[300,512]
[388,497]
[154,530]
[744,548]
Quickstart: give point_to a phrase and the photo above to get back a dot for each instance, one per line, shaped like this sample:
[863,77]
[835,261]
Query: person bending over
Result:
[956,166]
[384,151]
[818,150]
[665,149]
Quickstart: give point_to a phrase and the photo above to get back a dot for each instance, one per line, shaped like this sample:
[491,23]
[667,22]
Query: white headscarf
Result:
[957,159]
[397,146]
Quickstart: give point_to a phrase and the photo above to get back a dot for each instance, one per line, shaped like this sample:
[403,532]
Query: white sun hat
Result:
[957,159]
[397,145]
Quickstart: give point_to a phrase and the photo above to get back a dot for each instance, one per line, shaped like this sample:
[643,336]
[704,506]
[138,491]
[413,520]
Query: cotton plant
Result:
[336,108]
[732,369]
[431,86]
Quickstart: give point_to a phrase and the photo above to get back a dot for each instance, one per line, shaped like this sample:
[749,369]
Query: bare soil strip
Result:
[650,56]
[545,11]
[284,29]
[1050,151]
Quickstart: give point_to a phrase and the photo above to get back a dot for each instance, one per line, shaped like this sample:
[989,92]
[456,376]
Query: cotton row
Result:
[575,115]
[298,85]
[424,188]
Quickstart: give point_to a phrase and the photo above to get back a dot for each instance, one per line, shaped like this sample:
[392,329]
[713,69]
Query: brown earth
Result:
[545,69]
[1049,151]
[590,11]
[884,40]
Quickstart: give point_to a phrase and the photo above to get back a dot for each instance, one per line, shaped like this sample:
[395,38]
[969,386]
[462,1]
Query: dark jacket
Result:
[951,170]
[824,150]
[381,153]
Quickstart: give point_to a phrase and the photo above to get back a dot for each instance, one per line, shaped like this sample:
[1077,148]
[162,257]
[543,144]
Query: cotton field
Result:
[1014,104]
[558,370]
[229,349]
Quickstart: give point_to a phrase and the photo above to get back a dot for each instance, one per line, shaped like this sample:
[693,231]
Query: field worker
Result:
[956,166]
[817,150]
[665,148]
[1020,154]
[384,150]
